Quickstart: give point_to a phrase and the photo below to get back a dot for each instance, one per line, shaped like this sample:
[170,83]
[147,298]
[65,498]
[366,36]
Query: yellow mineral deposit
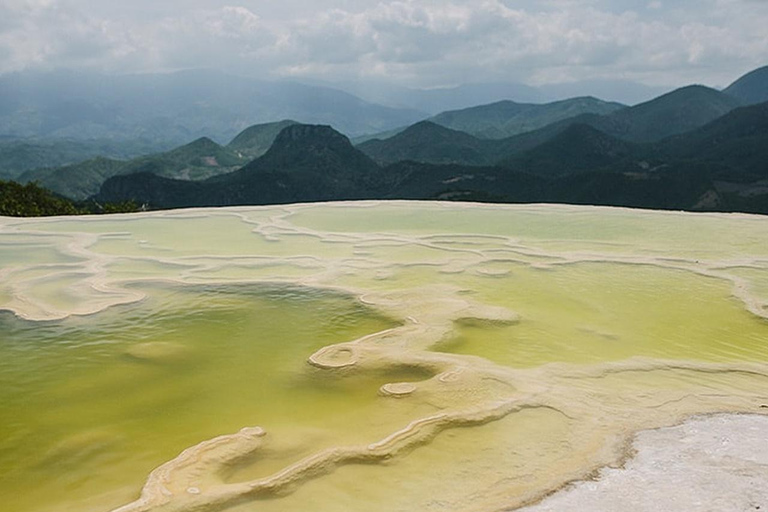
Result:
[363,356]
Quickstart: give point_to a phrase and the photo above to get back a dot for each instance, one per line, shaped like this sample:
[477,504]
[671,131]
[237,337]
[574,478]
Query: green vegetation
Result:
[306,163]
[20,155]
[198,160]
[32,200]
[77,181]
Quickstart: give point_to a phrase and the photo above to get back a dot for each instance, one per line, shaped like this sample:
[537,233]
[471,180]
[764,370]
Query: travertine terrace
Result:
[399,356]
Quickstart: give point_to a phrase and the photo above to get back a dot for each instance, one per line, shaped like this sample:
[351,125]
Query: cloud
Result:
[416,42]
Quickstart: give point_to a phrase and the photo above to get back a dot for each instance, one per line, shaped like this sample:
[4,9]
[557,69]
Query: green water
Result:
[91,405]
[588,313]
[236,300]
[570,228]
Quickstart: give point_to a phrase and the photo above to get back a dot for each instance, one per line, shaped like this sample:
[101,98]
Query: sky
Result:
[416,43]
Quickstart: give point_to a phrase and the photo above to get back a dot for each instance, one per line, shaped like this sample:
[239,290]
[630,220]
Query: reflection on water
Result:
[149,334]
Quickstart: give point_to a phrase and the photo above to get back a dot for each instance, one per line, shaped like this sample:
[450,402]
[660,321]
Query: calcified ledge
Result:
[179,485]
[603,404]
[708,462]
[97,290]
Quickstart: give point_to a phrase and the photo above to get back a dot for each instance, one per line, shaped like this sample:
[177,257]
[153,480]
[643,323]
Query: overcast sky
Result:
[424,43]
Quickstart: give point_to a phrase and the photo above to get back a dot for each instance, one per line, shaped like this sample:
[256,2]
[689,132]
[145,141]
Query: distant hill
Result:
[436,100]
[78,181]
[751,88]
[311,148]
[676,112]
[197,160]
[738,141]
[507,118]
[305,163]
[578,148]
[673,113]
[20,155]
[429,143]
[621,91]
[255,140]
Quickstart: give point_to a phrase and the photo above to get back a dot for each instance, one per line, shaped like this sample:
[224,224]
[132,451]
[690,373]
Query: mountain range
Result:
[508,118]
[175,107]
[198,160]
[673,113]
[692,148]
[436,100]
[20,155]
[578,165]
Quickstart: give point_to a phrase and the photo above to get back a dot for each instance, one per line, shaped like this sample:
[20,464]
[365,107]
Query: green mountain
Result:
[677,112]
[507,118]
[303,149]
[578,148]
[20,155]
[430,143]
[255,140]
[673,113]
[78,181]
[197,160]
[305,163]
[751,88]
[738,142]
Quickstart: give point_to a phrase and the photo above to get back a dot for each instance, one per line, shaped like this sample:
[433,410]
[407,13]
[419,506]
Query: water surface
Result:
[470,357]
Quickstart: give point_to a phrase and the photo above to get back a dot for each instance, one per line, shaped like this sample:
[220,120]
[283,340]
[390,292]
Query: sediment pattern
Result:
[433,279]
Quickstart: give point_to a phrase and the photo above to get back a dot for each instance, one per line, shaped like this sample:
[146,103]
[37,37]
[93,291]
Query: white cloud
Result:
[420,42]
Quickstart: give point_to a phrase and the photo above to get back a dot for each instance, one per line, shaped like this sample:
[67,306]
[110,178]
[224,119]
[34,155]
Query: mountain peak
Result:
[310,134]
[312,148]
[203,144]
[751,88]
[426,127]
[675,112]
[428,142]
[691,92]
